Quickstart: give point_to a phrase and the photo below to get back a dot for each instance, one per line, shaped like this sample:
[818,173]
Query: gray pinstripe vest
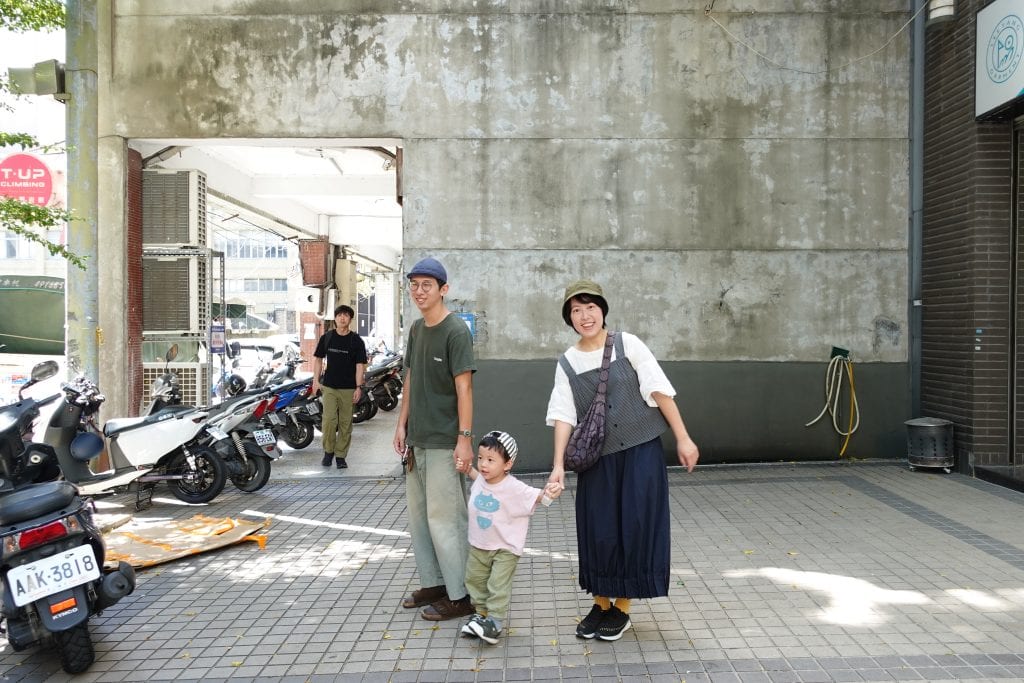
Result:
[629,421]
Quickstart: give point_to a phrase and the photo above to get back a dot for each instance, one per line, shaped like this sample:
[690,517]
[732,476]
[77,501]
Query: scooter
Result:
[383,378]
[51,551]
[246,446]
[164,446]
[290,413]
[20,464]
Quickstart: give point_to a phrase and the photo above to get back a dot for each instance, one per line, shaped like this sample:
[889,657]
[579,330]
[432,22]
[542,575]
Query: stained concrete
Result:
[738,179]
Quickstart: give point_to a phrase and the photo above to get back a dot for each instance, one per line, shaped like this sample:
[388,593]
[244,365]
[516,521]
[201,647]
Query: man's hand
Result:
[463,454]
[399,442]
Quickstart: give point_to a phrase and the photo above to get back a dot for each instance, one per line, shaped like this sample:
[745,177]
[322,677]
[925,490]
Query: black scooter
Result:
[51,551]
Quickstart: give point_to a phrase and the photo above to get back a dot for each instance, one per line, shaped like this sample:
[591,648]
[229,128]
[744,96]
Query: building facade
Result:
[737,179]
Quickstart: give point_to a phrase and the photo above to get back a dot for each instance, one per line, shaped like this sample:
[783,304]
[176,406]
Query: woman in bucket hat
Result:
[622,509]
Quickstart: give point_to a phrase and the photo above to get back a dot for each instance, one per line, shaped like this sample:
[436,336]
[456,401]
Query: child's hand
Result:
[553,489]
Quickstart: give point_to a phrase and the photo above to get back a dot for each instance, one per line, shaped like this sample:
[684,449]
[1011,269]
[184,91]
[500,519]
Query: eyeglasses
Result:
[424,286]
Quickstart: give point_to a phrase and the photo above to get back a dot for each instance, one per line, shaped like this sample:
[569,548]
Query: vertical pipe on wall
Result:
[916,206]
[83,331]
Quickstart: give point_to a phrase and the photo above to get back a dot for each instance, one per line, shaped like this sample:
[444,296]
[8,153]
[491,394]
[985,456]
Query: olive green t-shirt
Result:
[434,356]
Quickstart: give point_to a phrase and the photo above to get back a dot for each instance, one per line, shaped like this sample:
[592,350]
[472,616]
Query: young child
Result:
[500,507]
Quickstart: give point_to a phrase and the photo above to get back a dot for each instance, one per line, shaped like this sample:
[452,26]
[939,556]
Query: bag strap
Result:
[327,346]
[606,361]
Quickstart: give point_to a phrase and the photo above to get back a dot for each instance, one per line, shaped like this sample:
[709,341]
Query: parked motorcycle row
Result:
[51,550]
[382,387]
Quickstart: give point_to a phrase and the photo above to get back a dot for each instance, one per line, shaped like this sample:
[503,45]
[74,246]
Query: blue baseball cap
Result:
[429,267]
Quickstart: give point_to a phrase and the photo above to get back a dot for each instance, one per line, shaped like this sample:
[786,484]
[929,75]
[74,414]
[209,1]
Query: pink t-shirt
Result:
[499,515]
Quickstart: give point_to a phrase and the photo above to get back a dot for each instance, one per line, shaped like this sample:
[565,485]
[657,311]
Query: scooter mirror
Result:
[172,353]
[44,370]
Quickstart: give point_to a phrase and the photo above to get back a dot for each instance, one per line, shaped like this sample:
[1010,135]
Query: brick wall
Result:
[967,269]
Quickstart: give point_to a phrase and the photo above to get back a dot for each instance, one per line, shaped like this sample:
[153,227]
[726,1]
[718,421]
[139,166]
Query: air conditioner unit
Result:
[173,208]
[193,378]
[175,296]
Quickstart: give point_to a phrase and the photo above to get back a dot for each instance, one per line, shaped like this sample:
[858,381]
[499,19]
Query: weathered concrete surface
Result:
[738,207]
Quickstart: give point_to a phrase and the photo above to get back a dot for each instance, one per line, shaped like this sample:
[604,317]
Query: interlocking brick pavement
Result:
[852,572]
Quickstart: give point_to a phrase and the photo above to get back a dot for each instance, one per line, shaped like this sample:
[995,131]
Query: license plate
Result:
[275,418]
[313,408]
[217,434]
[264,437]
[53,574]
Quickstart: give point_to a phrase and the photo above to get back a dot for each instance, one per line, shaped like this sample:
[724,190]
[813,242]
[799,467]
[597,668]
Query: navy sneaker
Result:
[614,623]
[469,628]
[326,461]
[588,625]
[486,629]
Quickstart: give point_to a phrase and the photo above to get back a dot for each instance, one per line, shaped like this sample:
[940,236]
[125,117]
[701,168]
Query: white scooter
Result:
[163,446]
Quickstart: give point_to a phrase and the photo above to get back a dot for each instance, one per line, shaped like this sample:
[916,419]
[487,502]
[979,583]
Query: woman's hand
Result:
[686,451]
[557,476]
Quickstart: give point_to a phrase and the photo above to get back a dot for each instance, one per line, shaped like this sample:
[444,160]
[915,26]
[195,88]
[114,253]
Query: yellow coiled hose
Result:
[839,366]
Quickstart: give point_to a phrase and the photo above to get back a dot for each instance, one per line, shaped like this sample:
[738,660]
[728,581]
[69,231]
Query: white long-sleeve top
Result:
[561,406]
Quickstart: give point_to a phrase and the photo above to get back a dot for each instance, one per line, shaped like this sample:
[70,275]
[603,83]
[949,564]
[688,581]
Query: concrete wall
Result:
[744,217]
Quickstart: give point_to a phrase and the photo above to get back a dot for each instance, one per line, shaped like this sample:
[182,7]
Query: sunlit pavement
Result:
[780,573]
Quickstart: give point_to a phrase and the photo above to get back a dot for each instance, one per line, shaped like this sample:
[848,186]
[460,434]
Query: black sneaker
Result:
[328,457]
[588,625]
[342,464]
[614,623]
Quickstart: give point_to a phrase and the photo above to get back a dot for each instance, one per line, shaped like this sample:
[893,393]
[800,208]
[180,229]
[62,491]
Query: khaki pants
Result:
[489,580]
[436,496]
[337,420]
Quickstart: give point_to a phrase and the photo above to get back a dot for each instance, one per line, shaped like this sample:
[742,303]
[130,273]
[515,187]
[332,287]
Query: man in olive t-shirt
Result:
[435,432]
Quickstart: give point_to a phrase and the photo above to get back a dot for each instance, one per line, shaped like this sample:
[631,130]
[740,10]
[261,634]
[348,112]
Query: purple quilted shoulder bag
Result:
[587,439]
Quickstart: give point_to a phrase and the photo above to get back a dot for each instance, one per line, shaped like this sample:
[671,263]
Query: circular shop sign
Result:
[26,178]
[1004,48]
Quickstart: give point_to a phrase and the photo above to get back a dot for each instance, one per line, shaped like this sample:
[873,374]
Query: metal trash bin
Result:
[930,443]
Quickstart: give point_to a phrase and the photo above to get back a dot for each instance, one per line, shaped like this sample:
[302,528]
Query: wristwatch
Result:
[465,432]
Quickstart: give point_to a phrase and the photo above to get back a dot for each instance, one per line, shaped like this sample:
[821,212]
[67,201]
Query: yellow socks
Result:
[622,604]
[604,603]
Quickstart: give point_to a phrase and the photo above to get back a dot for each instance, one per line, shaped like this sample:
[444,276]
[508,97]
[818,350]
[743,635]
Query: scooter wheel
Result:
[256,472]
[76,651]
[388,403]
[199,486]
[363,412]
[297,435]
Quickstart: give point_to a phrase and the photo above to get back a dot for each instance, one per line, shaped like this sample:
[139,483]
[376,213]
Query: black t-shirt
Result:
[342,352]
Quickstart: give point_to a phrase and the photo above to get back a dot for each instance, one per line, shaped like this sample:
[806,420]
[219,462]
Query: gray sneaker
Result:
[469,628]
[486,630]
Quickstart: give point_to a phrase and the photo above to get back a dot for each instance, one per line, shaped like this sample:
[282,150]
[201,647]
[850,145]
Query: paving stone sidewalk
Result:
[863,572]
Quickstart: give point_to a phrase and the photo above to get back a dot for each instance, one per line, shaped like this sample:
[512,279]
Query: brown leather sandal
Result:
[424,596]
[444,609]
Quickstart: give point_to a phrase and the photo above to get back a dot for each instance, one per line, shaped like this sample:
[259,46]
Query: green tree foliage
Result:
[31,15]
[28,220]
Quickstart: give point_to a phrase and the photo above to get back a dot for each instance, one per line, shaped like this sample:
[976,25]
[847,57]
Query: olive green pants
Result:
[489,581]
[337,420]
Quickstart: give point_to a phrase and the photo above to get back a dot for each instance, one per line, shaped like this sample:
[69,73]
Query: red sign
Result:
[26,178]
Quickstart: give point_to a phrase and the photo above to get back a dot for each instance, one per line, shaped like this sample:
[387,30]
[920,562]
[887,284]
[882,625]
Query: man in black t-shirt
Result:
[340,382]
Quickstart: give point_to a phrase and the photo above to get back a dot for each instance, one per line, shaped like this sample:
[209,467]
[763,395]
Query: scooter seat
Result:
[35,500]
[123,424]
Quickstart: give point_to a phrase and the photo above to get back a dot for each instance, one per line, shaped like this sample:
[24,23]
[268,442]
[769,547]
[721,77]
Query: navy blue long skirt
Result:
[622,524]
